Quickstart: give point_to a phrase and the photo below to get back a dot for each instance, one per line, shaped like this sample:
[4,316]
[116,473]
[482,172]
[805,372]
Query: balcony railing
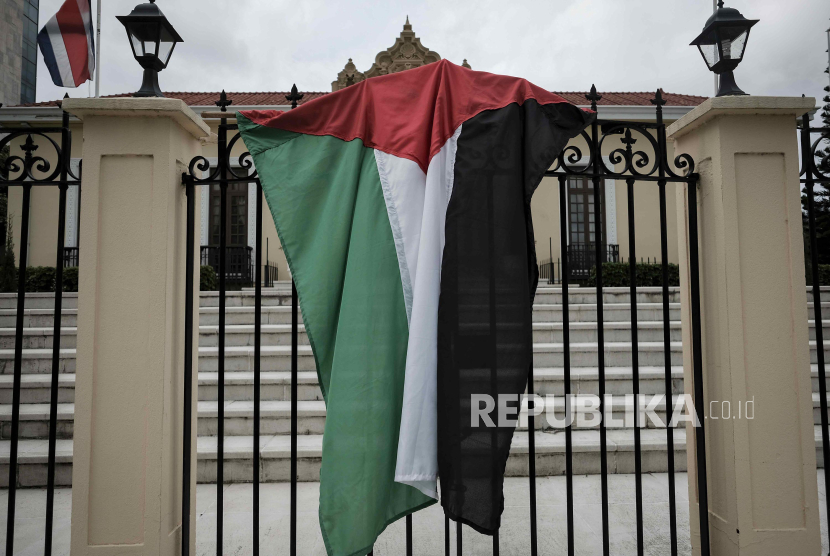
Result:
[70,257]
[582,257]
[239,265]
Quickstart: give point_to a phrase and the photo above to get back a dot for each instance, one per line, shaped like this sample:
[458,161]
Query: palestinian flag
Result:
[403,207]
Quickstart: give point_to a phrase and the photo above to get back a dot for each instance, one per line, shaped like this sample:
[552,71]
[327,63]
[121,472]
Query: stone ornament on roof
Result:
[406,53]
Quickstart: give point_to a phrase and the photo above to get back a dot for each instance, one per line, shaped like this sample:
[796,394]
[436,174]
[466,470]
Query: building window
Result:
[236,226]
[581,224]
[28,74]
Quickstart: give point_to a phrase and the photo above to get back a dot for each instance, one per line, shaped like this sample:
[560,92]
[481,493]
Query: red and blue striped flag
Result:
[67,44]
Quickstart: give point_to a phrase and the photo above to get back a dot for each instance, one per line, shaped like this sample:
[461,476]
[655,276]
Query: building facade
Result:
[407,52]
[18,51]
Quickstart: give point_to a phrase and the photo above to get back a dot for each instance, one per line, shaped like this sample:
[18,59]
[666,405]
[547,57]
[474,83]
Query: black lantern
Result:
[722,44]
[152,39]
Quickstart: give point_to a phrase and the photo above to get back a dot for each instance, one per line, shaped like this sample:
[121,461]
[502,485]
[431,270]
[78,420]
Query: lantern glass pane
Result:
[738,46]
[138,46]
[165,50]
[710,54]
[144,37]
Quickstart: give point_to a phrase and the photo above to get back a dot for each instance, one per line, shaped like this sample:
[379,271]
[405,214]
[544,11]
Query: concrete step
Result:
[275,453]
[38,318]
[278,358]
[280,334]
[39,300]
[276,385]
[275,418]
[38,338]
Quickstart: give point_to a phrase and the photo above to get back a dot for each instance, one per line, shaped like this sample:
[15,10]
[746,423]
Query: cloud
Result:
[621,45]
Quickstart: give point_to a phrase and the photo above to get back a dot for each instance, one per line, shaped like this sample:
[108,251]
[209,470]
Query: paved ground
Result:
[428,528]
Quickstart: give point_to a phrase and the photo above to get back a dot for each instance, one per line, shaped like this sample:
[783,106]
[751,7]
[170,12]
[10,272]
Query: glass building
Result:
[28,74]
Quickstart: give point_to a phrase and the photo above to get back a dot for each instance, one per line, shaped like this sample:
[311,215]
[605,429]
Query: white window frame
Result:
[610,203]
[204,218]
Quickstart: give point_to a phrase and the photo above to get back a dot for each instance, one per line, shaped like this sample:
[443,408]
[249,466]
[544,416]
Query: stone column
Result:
[761,466]
[129,402]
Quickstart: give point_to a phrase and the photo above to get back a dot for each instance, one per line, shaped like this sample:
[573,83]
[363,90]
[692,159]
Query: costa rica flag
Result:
[68,45]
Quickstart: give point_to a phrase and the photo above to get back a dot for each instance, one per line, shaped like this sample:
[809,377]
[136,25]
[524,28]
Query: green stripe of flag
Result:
[326,199]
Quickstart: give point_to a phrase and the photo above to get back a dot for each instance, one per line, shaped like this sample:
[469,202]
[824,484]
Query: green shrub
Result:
[207,279]
[70,279]
[38,279]
[823,274]
[617,275]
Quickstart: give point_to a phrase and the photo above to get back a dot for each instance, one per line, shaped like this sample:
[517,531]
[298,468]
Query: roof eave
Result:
[52,114]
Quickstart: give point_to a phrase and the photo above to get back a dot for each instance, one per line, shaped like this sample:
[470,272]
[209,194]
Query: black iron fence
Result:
[271,274]
[582,257]
[645,167]
[648,167]
[45,162]
[815,180]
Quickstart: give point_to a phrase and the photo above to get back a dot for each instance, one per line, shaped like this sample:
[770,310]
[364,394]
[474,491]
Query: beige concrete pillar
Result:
[761,466]
[127,460]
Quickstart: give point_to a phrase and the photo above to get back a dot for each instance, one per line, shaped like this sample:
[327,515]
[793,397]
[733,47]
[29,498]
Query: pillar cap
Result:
[740,106]
[129,107]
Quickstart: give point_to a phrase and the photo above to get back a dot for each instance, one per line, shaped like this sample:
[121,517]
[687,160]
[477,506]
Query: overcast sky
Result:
[562,45]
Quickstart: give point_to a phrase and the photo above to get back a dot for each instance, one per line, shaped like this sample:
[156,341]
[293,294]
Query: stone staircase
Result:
[275,384]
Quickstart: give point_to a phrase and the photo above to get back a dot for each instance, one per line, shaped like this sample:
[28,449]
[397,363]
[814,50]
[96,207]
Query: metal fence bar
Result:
[531,440]
[409,535]
[635,367]
[809,183]
[566,353]
[220,448]
[664,255]
[18,366]
[697,360]
[187,443]
[257,363]
[56,340]
[600,256]
[458,538]
[294,98]
[293,517]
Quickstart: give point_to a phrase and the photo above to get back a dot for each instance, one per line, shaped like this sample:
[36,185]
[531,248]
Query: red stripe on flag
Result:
[420,108]
[75,38]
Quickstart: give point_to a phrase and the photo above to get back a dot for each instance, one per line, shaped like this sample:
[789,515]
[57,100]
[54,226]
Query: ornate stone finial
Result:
[720,4]
[223,101]
[594,97]
[294,97]
[464,64]
[347,76]
[406,53]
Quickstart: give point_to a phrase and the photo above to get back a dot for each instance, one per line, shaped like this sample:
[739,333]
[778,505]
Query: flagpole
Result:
[98,54]
[714,10]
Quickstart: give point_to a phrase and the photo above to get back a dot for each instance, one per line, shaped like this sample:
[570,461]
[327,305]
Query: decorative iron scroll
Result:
[626,162]
[817,159]
[224,172]
[32,168]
